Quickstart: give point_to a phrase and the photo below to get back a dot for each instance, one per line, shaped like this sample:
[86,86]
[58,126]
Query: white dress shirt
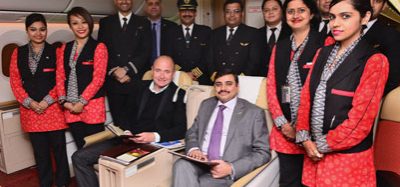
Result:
[277,31]
[228,32]
[230,106]
[321,25]
[369,25]
[190,29]
[128,17]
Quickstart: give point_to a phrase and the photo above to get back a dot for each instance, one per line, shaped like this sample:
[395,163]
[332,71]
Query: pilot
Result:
[190,42]
[159,27]
[229,132]
[235,46]
[322,26]
[387,40]
[158,116]
[128,41]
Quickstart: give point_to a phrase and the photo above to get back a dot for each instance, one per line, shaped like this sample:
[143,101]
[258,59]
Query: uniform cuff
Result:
[157,137]
[322,144]
[83,101]
[27,102]
[280,121]
[112,71]
[49,100]
[302,136]
[133,67]
[232,175]
[197,72]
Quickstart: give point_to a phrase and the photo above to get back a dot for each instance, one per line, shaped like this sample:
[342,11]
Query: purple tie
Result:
[216,134]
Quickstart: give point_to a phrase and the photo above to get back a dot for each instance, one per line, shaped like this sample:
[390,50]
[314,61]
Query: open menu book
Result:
[171,145]
[118,131]
[128,153]
[193,159]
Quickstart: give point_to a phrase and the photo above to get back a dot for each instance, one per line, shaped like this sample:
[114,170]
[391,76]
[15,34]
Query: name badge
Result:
[285,94]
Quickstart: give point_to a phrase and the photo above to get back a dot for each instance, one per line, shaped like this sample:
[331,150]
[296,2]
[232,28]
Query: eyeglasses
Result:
[236,11]
[293,11]
[267,10]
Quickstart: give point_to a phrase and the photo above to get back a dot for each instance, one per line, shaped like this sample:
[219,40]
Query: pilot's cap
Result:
[187,4]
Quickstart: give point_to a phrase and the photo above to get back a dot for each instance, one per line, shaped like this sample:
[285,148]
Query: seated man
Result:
[159,116]
[227,130]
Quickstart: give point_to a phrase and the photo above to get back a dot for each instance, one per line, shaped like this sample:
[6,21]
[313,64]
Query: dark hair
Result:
[362,6]
[311,4]
[81,12]
[227,72]
[233,1]
[265,1]
[35,17]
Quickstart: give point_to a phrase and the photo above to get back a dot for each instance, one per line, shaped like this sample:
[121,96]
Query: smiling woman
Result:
[81,70]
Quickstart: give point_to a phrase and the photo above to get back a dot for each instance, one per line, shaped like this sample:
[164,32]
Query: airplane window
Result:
[57,44]
[6,58]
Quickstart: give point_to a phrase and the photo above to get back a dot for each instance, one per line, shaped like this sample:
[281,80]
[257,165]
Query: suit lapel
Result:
[166,95]
[237,114]
[350,63]
[203,128]
[143,101]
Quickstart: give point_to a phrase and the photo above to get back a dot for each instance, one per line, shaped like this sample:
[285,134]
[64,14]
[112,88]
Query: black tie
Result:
[272,39]
[230,36]
[325,28]
[154,44]
[187,37]
[125,25]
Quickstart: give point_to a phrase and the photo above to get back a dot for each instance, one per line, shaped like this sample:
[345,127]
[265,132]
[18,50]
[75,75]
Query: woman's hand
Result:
[35,107]
[77,108]
[312,150]
[43,105]
[289,132]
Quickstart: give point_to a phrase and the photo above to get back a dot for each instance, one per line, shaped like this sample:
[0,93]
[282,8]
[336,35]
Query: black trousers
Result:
[43,143]
[84,159]
[121,107]
[290,169]
[80,130]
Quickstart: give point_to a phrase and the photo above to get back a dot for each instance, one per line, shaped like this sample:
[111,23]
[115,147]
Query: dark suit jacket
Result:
[165,26]
[190,57]
[265,55]
[241,55]
[387,40]
[170,118]
[247,141]
[129,49]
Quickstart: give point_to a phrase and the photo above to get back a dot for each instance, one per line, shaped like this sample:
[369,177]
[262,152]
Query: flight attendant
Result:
[33,80]
[340,101]
[81,70]
[289,65]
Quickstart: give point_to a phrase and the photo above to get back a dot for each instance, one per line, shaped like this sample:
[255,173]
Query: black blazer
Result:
[165,26]
[192,56]
[38,85]
[241,55]
[129,49]
[84,66]
[170,118]
[282,63]
[387,40]
[285,32]
[346,77]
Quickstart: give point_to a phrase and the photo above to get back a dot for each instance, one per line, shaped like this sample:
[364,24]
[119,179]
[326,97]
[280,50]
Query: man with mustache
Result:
[128,40]
[189,42]
[229,132]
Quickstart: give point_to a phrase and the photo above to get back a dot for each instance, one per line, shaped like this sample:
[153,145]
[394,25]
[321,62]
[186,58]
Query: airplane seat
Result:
[254,90]
[181,78]
[387,142]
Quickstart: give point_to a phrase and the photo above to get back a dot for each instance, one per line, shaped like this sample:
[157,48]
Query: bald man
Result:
[157,116]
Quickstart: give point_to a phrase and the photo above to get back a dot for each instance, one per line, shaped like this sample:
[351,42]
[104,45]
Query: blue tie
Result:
[216,134]
[154,45]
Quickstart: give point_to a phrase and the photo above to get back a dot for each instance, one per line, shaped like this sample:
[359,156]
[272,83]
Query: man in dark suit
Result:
[386,40]
[190,42]
[159,28]
[128,40]
[235,45]
[158,115]
[274,30]
[229,132]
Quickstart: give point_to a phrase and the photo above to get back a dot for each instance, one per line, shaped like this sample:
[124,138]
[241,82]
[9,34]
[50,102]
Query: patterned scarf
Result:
[293,78]
[34,58]
[72,90]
